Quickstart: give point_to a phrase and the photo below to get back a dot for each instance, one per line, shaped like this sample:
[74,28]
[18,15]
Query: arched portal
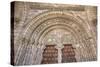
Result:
[42,28]
[59,46]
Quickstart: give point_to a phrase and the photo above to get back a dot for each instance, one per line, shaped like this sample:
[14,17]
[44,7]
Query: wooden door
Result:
[50,55]
[68,53]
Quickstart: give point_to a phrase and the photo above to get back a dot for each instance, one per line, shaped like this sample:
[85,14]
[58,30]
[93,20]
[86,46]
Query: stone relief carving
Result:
[38,27]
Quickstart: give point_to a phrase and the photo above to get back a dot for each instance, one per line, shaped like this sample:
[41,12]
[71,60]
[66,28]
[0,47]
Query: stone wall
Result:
[37,23]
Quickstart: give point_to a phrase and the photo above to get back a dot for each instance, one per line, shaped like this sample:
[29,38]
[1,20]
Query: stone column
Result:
[59,55]
[59,47]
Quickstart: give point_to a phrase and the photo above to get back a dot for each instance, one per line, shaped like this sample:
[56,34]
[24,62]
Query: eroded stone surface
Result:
[39,24]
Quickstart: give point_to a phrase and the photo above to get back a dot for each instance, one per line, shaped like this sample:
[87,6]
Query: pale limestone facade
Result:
[39,24]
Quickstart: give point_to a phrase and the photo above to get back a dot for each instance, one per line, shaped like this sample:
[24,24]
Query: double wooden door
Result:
[50,54]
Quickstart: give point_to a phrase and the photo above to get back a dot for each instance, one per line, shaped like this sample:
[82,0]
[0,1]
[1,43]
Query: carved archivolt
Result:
[36,25]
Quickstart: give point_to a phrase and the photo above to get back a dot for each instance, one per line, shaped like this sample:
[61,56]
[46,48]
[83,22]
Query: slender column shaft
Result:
[59,55]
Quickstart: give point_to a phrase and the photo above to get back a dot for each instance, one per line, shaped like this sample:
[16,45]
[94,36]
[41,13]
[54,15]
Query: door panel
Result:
[50,55]
[68,54]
